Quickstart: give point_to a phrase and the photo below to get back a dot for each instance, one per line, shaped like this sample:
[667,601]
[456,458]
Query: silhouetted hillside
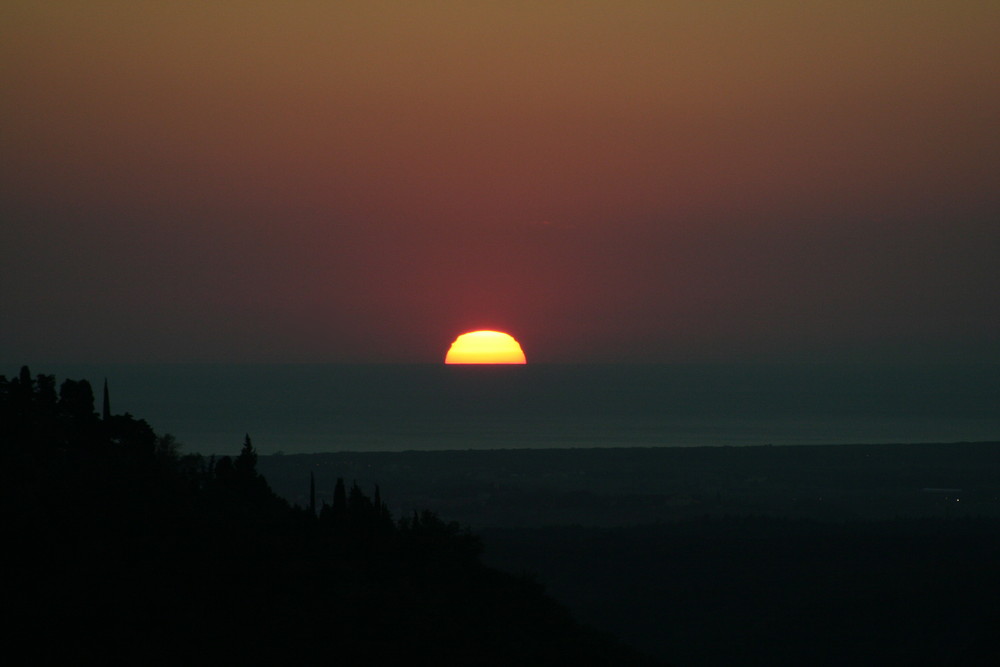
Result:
[124,551]
[808,555]
[772,591]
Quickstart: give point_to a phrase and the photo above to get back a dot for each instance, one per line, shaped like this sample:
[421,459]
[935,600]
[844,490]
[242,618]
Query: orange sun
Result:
[485,347]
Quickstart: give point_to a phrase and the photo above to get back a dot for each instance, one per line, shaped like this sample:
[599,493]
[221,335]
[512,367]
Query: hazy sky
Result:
[605,180]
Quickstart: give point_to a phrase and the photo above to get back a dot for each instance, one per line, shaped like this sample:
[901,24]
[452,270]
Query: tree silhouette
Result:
[45,398]
[106,404]
[312,494]
[117,532]
[339,500]
[246,463]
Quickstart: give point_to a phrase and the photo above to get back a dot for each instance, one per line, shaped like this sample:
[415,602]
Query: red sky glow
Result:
[607,181]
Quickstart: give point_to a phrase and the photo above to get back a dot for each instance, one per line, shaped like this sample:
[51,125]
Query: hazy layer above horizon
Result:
[301,408]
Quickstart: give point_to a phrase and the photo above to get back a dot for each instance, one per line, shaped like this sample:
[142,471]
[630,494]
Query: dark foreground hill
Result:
[771,591]
[814,555]
[121,551]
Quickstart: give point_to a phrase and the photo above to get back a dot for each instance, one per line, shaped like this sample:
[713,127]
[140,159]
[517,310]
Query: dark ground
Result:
[823,555]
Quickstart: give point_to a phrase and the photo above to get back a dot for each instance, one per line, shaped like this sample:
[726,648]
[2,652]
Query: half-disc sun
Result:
[485,347]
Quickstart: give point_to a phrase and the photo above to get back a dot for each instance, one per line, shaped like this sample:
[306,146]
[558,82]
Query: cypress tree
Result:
[106,411]
[246,462]
[339,499]
[312,494]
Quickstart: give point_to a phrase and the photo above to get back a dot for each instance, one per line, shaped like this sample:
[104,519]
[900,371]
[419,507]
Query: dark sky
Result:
[606,181]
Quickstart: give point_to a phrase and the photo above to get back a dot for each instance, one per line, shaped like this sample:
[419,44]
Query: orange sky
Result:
[643,181]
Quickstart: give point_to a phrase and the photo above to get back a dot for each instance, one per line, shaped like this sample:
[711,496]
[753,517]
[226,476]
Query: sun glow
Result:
[485,347]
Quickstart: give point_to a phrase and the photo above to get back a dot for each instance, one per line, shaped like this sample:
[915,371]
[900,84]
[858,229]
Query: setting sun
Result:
[485,347]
